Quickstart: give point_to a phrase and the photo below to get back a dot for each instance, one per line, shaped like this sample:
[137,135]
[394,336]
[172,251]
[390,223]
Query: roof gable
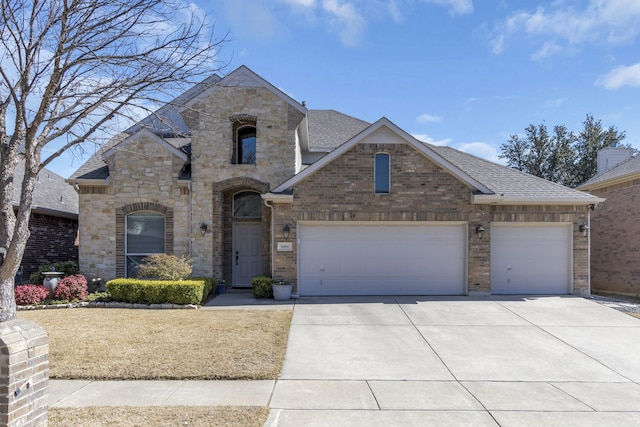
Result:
[383,131]
[244,77]
[145,133]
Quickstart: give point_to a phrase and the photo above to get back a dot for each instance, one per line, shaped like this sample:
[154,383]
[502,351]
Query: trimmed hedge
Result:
[157,291]
[209,285]
[261,287]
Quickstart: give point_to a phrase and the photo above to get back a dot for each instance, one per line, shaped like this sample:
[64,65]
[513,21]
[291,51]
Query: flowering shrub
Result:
[72,288]
[30,294]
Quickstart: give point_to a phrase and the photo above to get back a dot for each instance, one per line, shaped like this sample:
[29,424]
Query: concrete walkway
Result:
[513,361]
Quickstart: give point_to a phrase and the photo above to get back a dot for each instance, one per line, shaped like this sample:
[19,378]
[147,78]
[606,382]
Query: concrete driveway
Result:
[512,361]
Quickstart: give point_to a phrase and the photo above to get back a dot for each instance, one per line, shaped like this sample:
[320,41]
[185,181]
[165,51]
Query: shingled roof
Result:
[511,185]
[51,194]
[329,128]
[626,170]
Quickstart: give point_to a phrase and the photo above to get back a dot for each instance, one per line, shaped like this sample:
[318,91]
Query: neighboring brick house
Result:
[53,224]
[615,225]
[245,180]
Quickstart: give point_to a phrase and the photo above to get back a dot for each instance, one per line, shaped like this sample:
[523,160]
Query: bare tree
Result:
[68,69]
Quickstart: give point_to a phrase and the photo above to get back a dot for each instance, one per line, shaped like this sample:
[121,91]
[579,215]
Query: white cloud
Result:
[260,24]
[482,150]
[303,3]
[429,140]
[428,118]
[563,24]
[621,76]
[548,48]
[346,16]
[456,7]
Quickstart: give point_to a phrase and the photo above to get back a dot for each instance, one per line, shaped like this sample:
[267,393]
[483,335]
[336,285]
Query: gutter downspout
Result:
[270,206]
[190,224]
[589,250]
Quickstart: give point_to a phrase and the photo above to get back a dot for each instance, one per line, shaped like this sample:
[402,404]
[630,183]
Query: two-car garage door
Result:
[430,258]
[382,259]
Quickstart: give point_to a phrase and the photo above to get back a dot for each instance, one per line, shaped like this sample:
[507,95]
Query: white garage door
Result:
[531,259]
[382,259]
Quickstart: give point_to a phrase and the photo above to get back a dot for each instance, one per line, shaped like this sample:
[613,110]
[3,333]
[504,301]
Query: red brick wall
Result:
[52,239]
[615,239]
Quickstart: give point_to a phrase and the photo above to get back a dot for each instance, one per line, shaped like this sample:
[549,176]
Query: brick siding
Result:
[420,191]
[615,239]
[52,239]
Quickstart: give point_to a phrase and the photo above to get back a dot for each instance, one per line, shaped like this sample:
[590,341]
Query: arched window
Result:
[145,236]
[382,174]
[247,204]
[246,145]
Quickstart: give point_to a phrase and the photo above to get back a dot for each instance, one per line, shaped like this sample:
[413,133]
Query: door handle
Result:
[237,257]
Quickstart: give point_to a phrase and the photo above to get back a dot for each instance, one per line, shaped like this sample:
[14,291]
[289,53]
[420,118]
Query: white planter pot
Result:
[281,292]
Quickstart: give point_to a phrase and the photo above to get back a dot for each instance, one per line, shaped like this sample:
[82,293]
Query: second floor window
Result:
[245,150]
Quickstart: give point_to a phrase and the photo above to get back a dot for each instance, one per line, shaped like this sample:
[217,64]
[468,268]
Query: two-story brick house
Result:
[245,180]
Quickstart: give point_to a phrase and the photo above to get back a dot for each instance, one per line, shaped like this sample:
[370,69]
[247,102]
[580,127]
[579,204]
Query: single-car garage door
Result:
[382,259]
[531,259]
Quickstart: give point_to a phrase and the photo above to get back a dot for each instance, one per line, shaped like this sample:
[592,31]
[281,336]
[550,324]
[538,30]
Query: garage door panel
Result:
[382,260]
[533,259]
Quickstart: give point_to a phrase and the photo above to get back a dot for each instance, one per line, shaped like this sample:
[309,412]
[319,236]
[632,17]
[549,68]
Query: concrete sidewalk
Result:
[413,361]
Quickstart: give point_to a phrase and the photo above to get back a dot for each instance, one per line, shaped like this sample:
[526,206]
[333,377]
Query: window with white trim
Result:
[382,173]
[145,236]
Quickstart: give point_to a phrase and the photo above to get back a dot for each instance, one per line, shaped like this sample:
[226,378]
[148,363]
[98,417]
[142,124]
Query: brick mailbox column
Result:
[24,374]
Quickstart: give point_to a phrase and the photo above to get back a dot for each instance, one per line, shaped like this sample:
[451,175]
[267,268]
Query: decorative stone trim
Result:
[108,305]
[121,214]
[244,119]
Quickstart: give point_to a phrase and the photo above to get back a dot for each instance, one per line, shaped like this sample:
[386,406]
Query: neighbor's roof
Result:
[51,194]
[624,171]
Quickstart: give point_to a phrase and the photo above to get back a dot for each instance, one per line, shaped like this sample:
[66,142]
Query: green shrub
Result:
[67,268]
[165,267]
[209,285]
[261,287]
[156,291]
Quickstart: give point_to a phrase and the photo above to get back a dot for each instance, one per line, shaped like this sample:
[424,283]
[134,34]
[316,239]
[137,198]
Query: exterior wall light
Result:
[203,229]
[285,231]
[584,228]
[479,231]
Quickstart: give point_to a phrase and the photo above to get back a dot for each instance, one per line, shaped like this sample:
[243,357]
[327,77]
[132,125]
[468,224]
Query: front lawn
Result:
[121,344]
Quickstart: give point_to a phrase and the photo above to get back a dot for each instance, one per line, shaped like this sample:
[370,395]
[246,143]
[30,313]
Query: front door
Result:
[247,252]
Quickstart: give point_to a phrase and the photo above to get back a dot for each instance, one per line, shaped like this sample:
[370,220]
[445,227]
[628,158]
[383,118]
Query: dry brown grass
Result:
[158,416]
[120,344]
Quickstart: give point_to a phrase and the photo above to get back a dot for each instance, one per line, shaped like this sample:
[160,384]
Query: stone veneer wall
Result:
[615,243]
[420,191]
[144,171]
[142,174]
[24,383]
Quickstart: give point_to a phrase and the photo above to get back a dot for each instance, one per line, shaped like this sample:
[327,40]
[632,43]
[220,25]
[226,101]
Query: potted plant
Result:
[281,290]
[221,288]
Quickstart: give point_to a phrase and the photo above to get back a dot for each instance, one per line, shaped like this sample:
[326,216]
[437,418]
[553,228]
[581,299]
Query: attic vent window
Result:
[244,139]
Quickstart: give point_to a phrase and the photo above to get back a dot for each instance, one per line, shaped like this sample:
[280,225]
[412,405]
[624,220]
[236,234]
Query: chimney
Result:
[611,156]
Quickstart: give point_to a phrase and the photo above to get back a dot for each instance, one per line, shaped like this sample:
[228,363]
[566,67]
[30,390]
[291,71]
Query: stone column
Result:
[24,374]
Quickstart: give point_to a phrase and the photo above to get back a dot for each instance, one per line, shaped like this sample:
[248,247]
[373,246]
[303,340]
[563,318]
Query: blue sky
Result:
[461,73]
